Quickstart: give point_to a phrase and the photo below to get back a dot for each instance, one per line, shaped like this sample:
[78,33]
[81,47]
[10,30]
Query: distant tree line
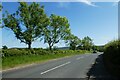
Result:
[30,23]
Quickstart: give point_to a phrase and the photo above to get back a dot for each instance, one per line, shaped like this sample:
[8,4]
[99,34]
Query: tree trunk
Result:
[29,45]
[50,47]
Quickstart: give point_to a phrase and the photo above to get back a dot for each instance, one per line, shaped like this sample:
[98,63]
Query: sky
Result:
[98,20]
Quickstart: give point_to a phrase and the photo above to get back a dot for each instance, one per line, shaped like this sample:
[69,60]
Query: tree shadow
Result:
[98,71]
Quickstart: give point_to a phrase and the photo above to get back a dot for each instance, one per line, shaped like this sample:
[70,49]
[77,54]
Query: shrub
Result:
[15,52]
[111,57]
[112,52]
[36,51]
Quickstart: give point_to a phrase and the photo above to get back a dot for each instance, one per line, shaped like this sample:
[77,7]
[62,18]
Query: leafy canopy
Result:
[57,30]
[73,41]
[27,22]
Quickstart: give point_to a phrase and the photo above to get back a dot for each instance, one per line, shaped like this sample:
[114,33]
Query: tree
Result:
[0,7]
[27,23]
[4,47]
[56,31]
[87,43]
[73,41]
[94,47]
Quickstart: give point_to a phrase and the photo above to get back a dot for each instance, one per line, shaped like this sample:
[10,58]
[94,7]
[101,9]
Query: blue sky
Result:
[100,22]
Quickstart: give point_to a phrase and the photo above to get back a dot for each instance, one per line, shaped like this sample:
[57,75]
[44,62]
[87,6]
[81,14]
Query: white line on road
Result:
[55,67]
[79,58]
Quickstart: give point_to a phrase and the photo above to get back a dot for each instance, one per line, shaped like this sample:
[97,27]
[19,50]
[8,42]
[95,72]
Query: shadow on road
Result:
[98,71]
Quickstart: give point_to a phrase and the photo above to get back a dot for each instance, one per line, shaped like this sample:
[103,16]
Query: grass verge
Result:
[15,61]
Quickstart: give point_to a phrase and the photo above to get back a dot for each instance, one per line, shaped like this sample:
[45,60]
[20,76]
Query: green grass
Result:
[14,61]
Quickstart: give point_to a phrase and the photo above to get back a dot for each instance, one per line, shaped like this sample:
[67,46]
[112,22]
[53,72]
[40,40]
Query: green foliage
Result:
[27,22]
[30,22]
[0,7]
[22,52]
[112,52]
[111,57]
[14,52]
[55,48]
[56,31]
[73,41]
[16,57]
[4,47]
[86,43]
[98,48]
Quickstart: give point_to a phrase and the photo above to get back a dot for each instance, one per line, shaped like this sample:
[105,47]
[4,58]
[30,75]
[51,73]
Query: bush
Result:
[111,57]
[35,51]
[14,52]
[112,52]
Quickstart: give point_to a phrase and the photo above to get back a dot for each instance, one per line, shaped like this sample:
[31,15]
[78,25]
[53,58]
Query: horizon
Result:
[99,22]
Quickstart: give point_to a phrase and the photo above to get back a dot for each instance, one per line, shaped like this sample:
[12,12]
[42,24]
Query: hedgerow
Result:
[21,52]
[112,52]
[111,57]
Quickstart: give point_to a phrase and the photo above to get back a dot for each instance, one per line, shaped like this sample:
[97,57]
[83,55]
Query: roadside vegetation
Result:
[30,23]
[16,57]
[112,57]
[0,37]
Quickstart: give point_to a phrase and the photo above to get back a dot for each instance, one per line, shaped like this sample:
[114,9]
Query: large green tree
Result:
[87,43]
[27,23]
[0,7]
[72,41]
[57,30]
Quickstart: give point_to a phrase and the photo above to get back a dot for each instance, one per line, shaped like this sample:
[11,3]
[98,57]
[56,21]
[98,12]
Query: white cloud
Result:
[105,0]
[63,4]
[85,1]
[88,2]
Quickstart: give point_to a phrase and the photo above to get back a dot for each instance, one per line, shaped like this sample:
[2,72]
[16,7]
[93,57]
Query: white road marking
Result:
[55,67]
[82,57]
[79,58]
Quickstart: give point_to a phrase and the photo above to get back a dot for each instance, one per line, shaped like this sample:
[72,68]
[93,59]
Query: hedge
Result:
[21,52]
[111,57]
[112,52]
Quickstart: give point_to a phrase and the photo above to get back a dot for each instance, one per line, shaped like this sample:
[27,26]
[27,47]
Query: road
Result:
[79,66]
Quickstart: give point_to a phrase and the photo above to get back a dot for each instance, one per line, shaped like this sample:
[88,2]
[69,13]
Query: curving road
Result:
[86,66]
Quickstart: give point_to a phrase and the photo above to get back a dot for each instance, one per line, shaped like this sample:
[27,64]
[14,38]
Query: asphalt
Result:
[85,66]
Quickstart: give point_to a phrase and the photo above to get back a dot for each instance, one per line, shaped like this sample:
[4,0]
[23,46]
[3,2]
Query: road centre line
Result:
[55,67]
[79,58]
